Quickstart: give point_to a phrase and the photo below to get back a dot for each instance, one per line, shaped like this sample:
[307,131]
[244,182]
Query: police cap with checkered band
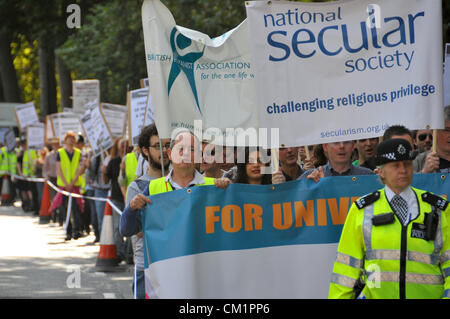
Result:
[394,150]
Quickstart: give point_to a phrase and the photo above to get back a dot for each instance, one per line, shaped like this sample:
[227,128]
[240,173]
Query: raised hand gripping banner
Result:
[250,241]
[346,70]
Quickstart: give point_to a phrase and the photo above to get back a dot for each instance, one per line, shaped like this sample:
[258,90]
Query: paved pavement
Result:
[36,262]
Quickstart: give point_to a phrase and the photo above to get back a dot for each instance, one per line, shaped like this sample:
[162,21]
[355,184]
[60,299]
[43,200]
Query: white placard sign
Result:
[26,115]
[116,117]
[64,122]
[149,117]
[10,140]
[36,136]
[346,70]
[97,131]
[137,102]
[86,94]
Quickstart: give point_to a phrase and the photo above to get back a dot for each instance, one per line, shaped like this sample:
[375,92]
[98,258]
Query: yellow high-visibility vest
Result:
[131,162]
[12,161]
[395,261]
[29,159]
[159,185]
[69,167]
[4,161]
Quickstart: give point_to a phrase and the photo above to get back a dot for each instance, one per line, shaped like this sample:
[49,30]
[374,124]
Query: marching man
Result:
[395,242]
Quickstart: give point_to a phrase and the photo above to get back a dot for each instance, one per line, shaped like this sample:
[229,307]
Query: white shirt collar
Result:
[406,194]
[410,197]
[198,179]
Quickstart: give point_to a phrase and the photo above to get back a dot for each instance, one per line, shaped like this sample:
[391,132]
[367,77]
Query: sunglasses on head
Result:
[423,136]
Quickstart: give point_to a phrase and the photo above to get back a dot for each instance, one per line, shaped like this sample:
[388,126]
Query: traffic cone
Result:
[107,256]
[45,214]
[6,195]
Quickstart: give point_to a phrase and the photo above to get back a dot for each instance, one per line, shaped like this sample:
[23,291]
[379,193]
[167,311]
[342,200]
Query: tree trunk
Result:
[10,86]
[65,83]
[47,76]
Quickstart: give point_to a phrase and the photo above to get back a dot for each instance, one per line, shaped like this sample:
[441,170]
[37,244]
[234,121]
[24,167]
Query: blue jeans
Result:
[100,206]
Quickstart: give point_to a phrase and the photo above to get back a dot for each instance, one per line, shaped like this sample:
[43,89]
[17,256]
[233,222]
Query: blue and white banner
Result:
[193,77]
[251,241]
[346,70]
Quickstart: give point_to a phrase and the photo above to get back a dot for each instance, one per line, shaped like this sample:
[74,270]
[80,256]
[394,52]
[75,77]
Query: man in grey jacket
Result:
[439,161]
[149,143]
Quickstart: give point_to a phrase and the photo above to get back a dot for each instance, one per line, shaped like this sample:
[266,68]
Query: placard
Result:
[64,122]
[36,136]
[97,131]
[86,94]
[137,106]
[26,115]
[115,116]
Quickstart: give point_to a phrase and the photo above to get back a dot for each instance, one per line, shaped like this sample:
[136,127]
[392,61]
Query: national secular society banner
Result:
[193,77]
[346,70]
[252,241]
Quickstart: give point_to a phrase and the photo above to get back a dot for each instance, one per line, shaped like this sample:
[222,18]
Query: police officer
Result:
[395,242]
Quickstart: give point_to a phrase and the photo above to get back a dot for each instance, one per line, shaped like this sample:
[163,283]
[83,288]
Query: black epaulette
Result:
[434,200]
[367,200]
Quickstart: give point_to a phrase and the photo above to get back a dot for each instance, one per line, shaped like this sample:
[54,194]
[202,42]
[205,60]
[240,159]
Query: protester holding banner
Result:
[288,157]
[382,253]
[423,140]
[209,166]
[149,144]
[339,162]
[439,161]
[69,171]
[306,163]
[252,170]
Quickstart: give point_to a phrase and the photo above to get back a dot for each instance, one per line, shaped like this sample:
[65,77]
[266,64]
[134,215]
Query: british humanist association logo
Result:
[183,63]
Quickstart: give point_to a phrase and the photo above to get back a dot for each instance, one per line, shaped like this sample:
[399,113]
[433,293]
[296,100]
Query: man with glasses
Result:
[423,140]
[439,161]
[339,162]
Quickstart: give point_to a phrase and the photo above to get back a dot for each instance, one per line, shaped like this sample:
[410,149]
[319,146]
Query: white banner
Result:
[193,77]
[346,70]
[26,115]
[97,131]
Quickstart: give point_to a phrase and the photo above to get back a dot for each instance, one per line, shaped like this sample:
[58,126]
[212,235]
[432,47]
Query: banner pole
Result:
[434,140]
[162,158]
[275,160]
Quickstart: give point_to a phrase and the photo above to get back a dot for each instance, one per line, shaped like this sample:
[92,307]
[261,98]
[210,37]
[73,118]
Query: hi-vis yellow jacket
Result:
[159,185]
[131,162]
[69,167]
[392,260]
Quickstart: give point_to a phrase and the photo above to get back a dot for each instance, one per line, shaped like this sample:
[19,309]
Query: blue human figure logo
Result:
[183,63]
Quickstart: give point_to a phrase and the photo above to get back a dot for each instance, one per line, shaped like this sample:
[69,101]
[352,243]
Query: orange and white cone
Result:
[45,214]
[107,256]
[6,194]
